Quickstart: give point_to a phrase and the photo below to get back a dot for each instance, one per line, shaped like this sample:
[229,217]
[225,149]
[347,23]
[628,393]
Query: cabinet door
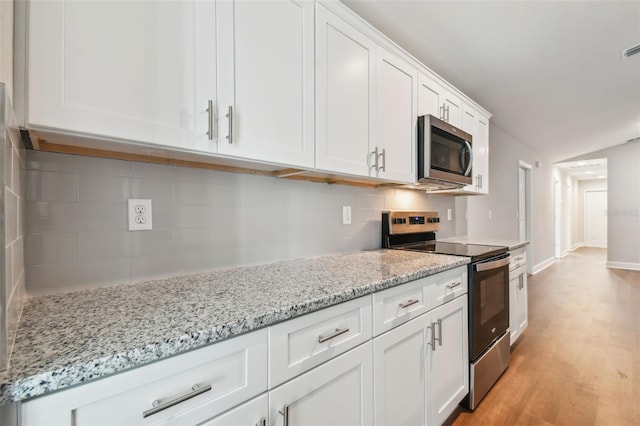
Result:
[514,283]
[138,71]
[339,392]
[523,306]
[399,374]
[266,75]
[396,123]
[345,75]
[448,360]
[435,99]
[250,413]
[481,154]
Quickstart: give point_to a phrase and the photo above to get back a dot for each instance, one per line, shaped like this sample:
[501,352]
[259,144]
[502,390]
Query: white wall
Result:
[623,228]
[505,154]
[6,45]
[76,223]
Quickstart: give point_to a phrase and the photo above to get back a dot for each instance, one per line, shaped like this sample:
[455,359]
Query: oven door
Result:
[489,294]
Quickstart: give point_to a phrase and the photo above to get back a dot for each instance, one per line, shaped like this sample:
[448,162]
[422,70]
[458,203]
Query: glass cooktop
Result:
[476,252]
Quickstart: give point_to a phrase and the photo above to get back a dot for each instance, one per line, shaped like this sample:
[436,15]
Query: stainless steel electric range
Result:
[488,294]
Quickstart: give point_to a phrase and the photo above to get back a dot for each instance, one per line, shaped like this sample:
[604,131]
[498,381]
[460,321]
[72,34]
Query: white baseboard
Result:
[563,254]
[577,246]
[543,265]
[624,265]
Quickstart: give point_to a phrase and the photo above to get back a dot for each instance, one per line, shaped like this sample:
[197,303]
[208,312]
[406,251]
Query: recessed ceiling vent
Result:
[631,51]
[581,165]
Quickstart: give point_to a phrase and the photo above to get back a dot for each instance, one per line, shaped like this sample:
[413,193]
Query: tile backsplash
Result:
[77,233]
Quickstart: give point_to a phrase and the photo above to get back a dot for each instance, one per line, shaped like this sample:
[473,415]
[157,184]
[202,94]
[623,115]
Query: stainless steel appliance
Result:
[489,348]
[445,156]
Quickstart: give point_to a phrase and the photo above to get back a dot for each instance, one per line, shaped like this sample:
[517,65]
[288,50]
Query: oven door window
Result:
[490,307]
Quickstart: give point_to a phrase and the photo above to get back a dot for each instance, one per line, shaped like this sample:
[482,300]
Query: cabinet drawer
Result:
[447,286]
[398,305]
[235,370]
[518,258]
[300,344]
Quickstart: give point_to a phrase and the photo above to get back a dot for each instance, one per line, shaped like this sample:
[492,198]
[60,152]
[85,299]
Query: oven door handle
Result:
[486,266]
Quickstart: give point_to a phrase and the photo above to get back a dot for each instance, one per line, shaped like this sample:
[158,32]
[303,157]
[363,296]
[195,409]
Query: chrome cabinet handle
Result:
[442,112]
[230,117]
[454,285]
[487,266]
[384,160]
[157,407]
[210,119]
[409,303]
[470,151]
[447,113]
[285,414]
[433,337]
[374,153]
[439,339]
[262,422]
[338,332]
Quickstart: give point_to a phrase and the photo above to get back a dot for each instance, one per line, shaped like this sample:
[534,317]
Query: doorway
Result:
[595,219]
[557,217]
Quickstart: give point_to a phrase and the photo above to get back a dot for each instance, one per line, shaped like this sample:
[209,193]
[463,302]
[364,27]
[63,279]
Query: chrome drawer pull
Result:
[157,407]
[322,339]
[454,285]
[409,303]
[439,339]
[285,414]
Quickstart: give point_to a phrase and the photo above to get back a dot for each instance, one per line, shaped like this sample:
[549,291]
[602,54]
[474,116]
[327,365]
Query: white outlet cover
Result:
[346,215]
[139,213]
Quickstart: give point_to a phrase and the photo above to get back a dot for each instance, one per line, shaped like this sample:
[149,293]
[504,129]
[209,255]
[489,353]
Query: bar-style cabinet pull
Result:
[262,422]
[157,407]
[285,414]
[439,338]
[384,160]
[442,112]
[453,285]
[375,156]
[338,332]
[230,117]
[210,119]
[408,303]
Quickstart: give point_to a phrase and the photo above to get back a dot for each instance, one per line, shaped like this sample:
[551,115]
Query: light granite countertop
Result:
[69,339]
[511,244]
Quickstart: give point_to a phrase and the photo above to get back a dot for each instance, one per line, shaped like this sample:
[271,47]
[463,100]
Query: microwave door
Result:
[466,158]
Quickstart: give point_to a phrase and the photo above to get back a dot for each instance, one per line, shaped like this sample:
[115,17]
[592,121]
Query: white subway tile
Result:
[50,161]
[98,216]
[160,191]
[50,247]
[10,217]
[94,245]
[103,189]
[42,216]
[144,268]
[8,271]
[51,186]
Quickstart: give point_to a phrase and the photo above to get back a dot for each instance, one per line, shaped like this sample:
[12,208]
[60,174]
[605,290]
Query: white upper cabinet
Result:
[366,104]
[435,99]
[396,118]
[345,77]
[137,71]
[266,80]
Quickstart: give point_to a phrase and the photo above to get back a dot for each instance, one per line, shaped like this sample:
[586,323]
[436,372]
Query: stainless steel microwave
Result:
[445,156]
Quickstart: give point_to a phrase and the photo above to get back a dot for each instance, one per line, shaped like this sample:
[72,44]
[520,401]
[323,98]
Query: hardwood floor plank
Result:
[578,362]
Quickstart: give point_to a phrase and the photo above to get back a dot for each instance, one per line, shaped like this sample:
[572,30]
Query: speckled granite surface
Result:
[68,339]
[512,244]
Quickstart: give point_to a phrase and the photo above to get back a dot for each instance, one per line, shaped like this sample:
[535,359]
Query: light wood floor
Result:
[578,362]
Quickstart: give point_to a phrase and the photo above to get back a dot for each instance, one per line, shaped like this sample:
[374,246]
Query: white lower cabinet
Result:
[518,303]
[250,413]
[339,392]
[421,367]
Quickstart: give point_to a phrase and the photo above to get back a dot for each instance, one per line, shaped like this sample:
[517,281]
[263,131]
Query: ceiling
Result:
[550,72]
[586,169]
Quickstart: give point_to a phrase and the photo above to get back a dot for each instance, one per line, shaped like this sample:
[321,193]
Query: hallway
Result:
[578,362]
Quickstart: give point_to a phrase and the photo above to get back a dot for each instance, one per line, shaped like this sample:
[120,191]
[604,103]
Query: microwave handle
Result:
[470,151]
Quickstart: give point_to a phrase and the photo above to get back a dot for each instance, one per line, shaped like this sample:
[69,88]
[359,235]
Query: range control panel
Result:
[409,222]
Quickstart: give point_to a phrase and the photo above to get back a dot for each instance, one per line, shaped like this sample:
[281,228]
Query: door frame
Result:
[557,217]
[526,167]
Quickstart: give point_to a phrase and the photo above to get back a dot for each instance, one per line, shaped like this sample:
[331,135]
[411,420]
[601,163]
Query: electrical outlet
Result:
[139,212]
[346,215]
[490,214]
[449,214]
